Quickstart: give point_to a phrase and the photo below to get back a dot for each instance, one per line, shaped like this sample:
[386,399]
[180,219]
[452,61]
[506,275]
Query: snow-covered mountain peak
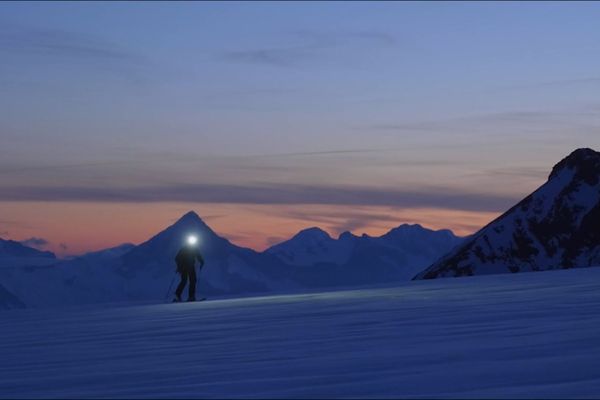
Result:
[190,224]
[162,247]
[554,227]
[417,232]
[190,218]
[347,235]
[190,215]
[313,233]
[308,247]
[584,164]
[407,229]
[408,226]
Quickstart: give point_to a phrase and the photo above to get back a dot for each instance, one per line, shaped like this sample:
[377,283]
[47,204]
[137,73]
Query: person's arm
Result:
[178,261]
[200,259]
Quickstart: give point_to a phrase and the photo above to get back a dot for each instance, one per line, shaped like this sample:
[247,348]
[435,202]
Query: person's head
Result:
[191,241]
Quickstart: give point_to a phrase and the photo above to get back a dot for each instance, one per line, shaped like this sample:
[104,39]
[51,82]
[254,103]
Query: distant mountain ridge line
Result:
[191,212]
[17,249]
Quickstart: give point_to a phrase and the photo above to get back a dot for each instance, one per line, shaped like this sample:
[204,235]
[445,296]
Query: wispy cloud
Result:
[11,169]
[247,165]
[559,83]
[322,153]
[331,38]
[373,37]
[340,220]
[510,122]
[529,172]
[78,50]
[437,197]
[61,43]
[36,243]
[279,57]
[312,45]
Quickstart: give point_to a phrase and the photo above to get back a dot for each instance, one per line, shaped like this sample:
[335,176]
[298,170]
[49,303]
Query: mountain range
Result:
[310,259]
[554,227]
[322,261]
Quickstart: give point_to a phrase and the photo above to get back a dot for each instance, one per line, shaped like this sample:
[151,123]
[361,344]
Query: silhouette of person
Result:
[186,260]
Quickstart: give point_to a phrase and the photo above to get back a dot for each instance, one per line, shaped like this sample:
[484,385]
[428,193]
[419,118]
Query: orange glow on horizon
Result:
[75,228]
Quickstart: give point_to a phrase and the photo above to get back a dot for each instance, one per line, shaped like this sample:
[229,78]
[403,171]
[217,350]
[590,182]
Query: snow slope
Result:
[107,254]
[9,300]
[501,336]
[557,226]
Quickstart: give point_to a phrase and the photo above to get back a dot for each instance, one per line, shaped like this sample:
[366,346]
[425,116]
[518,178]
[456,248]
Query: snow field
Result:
[523,335]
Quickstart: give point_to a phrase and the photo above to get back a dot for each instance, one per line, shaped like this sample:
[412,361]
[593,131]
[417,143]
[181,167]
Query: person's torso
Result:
[186,257]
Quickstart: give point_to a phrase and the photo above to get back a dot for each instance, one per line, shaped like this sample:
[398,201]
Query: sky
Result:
[270,117]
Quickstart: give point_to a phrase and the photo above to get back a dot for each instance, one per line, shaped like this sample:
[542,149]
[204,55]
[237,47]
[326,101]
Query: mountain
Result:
[16,249]
[110,253]
[355,260]
[14,254]
[314,245]
[557,226]
[421,242]
[228,269]
[143,272]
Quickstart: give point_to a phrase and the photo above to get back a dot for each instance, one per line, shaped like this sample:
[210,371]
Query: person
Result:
[186,260]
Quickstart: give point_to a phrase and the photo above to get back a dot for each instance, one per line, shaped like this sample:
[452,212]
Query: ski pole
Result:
[170,286]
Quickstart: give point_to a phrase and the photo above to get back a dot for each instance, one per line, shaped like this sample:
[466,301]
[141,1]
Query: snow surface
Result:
[8,300]
[521,335]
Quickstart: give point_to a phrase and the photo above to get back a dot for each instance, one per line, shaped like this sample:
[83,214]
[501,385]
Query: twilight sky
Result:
[265,118]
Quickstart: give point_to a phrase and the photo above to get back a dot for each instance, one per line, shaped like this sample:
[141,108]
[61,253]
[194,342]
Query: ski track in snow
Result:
[523,335]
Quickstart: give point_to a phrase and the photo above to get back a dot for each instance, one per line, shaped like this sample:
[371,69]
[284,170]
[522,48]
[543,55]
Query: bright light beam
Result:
[192,240]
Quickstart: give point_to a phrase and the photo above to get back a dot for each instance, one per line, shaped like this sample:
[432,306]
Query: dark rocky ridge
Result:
[557,226]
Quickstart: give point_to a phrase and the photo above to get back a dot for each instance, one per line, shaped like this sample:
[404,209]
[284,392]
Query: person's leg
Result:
[192,294]
[181,285]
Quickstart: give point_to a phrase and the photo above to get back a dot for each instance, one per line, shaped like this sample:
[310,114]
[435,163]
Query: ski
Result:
[193,301]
